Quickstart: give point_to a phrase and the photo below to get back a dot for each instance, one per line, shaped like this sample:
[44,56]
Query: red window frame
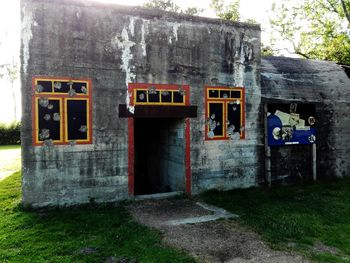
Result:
[133,87]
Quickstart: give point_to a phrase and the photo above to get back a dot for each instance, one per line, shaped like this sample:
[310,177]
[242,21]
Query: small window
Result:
[159,94]
[178,97]
[213,94]
[225,94]
[61,87]
[235,94]
[224,113]
[43,86]
[166,96]
[141,96]
[80,87]
[153,96]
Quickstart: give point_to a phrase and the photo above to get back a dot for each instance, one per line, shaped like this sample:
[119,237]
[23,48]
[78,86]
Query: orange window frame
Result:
[62,98]
[225,102]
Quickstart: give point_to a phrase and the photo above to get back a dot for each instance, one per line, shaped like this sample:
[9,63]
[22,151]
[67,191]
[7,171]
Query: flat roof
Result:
[148,13]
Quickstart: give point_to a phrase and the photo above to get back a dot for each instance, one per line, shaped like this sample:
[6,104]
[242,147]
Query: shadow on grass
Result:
[295,217]
[80,234]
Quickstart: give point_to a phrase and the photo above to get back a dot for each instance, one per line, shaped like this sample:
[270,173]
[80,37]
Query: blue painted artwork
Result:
[290,124]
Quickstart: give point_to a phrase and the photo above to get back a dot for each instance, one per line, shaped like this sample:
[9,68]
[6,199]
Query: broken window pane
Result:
[234,116]
[153,96]
[216,119]
[213,94]
[76,118]
[44,102]
[48,128]
[141,96]
[62,88]
[80,87]
[57,85]
[224,94]
[166,96]
[178,98]
[46,86]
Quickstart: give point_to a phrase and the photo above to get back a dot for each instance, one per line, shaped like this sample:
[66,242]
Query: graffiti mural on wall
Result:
[291,124]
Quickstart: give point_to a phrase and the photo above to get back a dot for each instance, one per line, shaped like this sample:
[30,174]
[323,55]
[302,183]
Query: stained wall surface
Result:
[326,85]
[113,46]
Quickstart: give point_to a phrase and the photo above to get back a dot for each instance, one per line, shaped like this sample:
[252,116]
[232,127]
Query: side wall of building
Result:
[113,46]
[324,84]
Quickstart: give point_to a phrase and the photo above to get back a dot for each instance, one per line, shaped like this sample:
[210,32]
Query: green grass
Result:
[296,215]
[9,147]
[59,235]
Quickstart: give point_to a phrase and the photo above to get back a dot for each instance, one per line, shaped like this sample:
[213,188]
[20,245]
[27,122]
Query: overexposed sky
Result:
[10,37]
[9,53]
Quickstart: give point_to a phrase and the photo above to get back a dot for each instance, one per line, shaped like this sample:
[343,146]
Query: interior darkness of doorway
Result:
[159,155]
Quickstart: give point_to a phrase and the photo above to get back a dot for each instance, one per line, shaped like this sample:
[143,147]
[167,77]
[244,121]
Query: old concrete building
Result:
[122,101]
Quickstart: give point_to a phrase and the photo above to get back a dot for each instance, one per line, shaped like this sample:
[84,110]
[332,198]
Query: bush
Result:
[10,133]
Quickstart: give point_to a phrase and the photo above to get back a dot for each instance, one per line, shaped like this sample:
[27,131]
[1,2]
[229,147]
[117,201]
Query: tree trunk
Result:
[14,99]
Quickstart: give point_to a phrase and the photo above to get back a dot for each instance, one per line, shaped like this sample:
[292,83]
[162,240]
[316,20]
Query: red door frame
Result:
[131,138]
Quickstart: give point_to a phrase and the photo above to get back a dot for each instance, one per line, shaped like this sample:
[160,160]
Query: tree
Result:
[171,6]
[227,12]
[317,29]
[10,72]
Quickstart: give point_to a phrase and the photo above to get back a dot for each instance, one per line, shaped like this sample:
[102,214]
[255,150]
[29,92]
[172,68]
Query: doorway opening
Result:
[159,155]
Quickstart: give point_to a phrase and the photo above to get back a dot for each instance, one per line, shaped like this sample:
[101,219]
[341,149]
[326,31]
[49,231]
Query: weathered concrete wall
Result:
[113,46]
[326,85]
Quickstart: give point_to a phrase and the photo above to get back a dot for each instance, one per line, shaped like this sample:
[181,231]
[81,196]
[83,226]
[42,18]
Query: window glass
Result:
[77,119]
[215,119]
[154,96]
[178,97]
[61,86]
[43,86]
[49,119]
[141,96]
[233,117]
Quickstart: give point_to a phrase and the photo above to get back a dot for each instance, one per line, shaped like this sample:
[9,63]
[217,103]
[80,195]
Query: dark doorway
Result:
[159,155]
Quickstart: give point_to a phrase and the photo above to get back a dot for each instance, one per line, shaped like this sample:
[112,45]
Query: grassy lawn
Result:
[9,147]
[299,218]
[75,234]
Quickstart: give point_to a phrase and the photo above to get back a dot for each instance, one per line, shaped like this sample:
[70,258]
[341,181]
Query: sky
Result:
[10,38]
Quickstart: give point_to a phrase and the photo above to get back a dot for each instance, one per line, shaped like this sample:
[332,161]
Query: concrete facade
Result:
[114,46]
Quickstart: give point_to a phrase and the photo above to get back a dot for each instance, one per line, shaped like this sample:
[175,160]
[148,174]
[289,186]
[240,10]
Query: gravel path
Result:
[10,162]
[214,241]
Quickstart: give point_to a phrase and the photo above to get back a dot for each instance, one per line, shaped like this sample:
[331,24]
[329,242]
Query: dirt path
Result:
[10,162]
[212,241]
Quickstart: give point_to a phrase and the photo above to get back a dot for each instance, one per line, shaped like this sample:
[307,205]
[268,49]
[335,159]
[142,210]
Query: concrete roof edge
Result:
[149,12]
[267,58]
